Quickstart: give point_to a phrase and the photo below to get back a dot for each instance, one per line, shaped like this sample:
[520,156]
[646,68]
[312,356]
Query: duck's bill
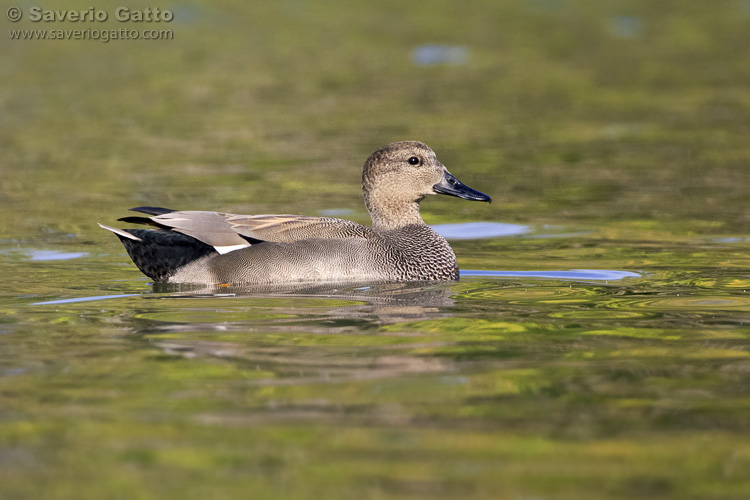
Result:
[453,187]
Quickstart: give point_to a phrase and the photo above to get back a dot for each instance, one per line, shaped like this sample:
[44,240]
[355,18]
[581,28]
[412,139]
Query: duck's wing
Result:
[287,228]
[227,232]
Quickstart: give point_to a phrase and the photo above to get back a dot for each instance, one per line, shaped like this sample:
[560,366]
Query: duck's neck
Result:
[389,213]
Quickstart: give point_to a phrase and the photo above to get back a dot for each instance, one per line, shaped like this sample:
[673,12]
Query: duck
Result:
[217,248]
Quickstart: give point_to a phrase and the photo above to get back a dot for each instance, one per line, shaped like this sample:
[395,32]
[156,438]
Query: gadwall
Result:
[221,248]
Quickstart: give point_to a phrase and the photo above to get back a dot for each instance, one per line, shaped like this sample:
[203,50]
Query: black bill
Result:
[453,187]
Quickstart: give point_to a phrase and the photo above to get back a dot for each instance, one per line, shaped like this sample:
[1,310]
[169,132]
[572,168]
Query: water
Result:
[428,55]
[343,387]
[477,230]
[596,346]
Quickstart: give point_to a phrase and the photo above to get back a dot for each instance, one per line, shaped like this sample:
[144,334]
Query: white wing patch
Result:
[230,248]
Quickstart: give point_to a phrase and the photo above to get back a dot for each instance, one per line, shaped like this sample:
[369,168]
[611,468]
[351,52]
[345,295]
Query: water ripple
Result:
[83,299]
[477,230]
[573,274]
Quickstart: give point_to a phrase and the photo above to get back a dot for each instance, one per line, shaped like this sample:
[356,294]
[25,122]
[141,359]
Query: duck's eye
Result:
[414,161]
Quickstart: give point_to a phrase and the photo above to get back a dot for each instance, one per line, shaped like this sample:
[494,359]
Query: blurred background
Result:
[625,113]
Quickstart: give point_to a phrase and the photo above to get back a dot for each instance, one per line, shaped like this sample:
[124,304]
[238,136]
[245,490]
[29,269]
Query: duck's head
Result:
[397,177]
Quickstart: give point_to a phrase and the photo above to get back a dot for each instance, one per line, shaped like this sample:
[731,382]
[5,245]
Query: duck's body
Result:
[213,247]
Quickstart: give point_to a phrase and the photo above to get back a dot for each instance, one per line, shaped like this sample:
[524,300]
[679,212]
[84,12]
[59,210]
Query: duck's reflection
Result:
[383,303]
[275,330]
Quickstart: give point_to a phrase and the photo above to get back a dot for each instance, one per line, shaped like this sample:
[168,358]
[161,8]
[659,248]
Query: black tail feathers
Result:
[159,254]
